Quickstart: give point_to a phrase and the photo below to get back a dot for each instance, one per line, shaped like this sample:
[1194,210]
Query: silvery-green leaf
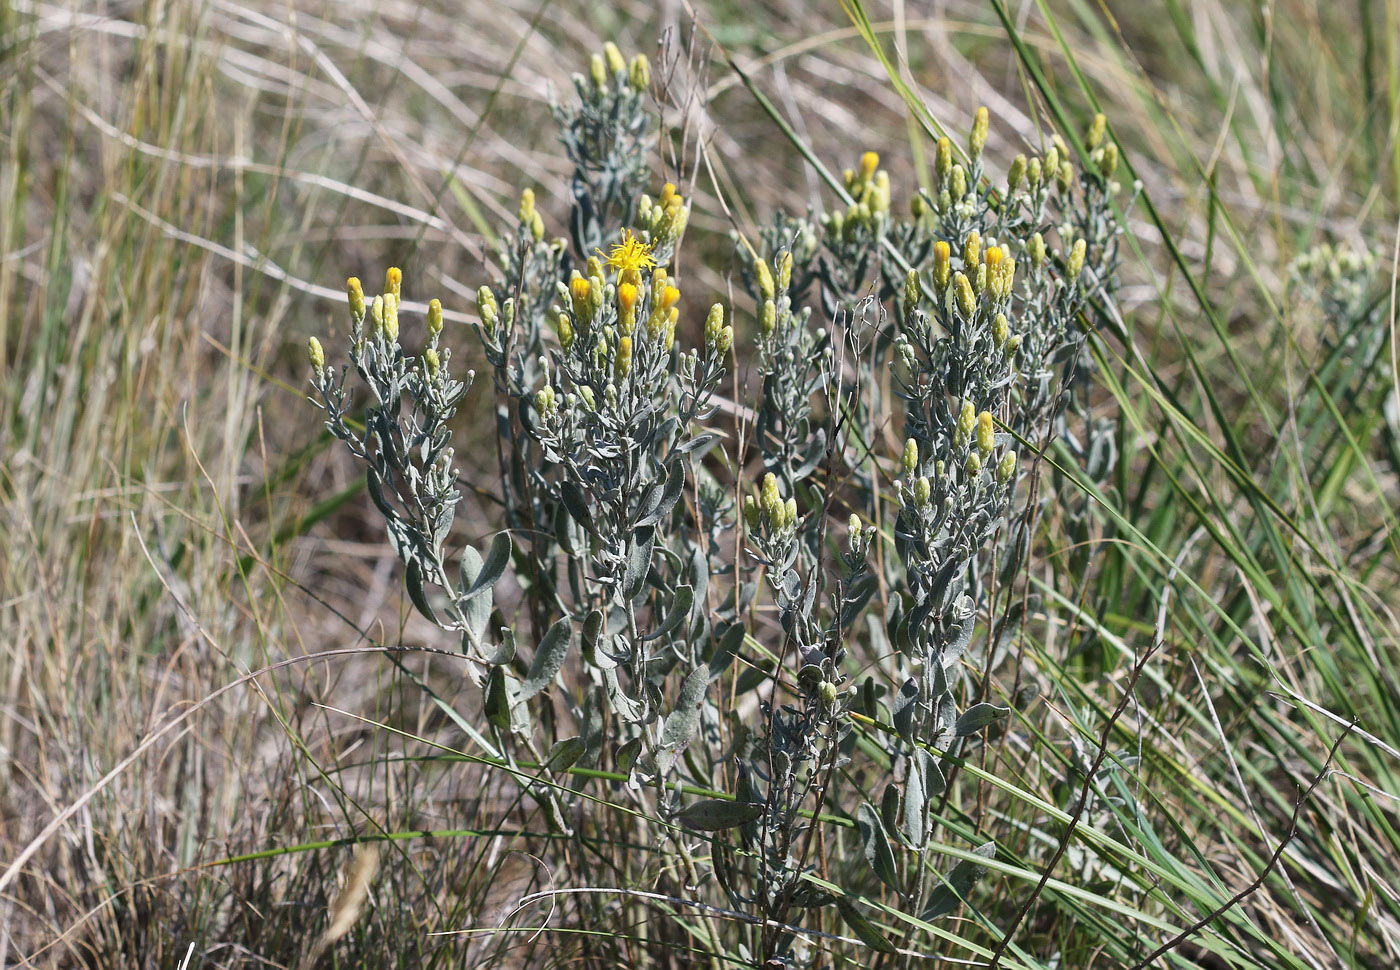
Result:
[682,722]
[413,580]
[497,701]
[877,846]
[504,652]
[592,631]
[565,753]
[627,755]
[549,657]
[577,504]
[680,609]
[978,716]
[957,884]
[714,814]
[493,566]
[915,827]
[889,807]
[638,562]
[905,706]
[927,765]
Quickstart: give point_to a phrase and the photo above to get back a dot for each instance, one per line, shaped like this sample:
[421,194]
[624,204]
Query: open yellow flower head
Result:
[629,257]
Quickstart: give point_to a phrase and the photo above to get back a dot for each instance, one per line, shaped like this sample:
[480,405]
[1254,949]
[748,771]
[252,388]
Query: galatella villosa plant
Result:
[776,615]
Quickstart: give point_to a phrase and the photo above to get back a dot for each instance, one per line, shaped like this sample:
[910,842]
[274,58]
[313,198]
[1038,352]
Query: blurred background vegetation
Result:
[184,187]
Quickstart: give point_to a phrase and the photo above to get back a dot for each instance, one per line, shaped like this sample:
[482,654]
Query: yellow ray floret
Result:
[630,257]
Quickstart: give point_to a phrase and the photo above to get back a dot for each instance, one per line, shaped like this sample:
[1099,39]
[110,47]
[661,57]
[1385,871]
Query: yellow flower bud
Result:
[967,421]
[943,159]
[1016,173]
[613,57]
[393,281]
[869,162]
[986,435]
[1052,161]
[752,515]
[594,265]
[1006,468]
[623,364]
[1036,247]
[316,355]
[923,491]
[579,289]
[376,314]
[784,271]
[912,291]
[725,340]
[909,461]
[993,256]
[790,513]
[391,317]
[1065,177]
[356,294]
[1000,330]
[598,71]
[977,140]
[670,296]
[973,465]
[972,249]
[767,318]
[565,329]
[1075,261]
[942,254]
[639,73]
[1033,172]
[765,279]
[957,182]
[1097,128]
[771,501]
[434,317]
[714,323]
[431,361]
[527,206]
[966,300]
[486,308]
[1109,164]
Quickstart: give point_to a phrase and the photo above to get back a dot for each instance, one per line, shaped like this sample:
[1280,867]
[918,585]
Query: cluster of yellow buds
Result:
[869,187]
[998,273]
[1036,174]
[586,295]
[719,336]
[665,219]
[386,306]
[1103,154]
[546,401]
[1006,468]
[661,322]
[529,217]
[611,64]
[486,308]
[767,508]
